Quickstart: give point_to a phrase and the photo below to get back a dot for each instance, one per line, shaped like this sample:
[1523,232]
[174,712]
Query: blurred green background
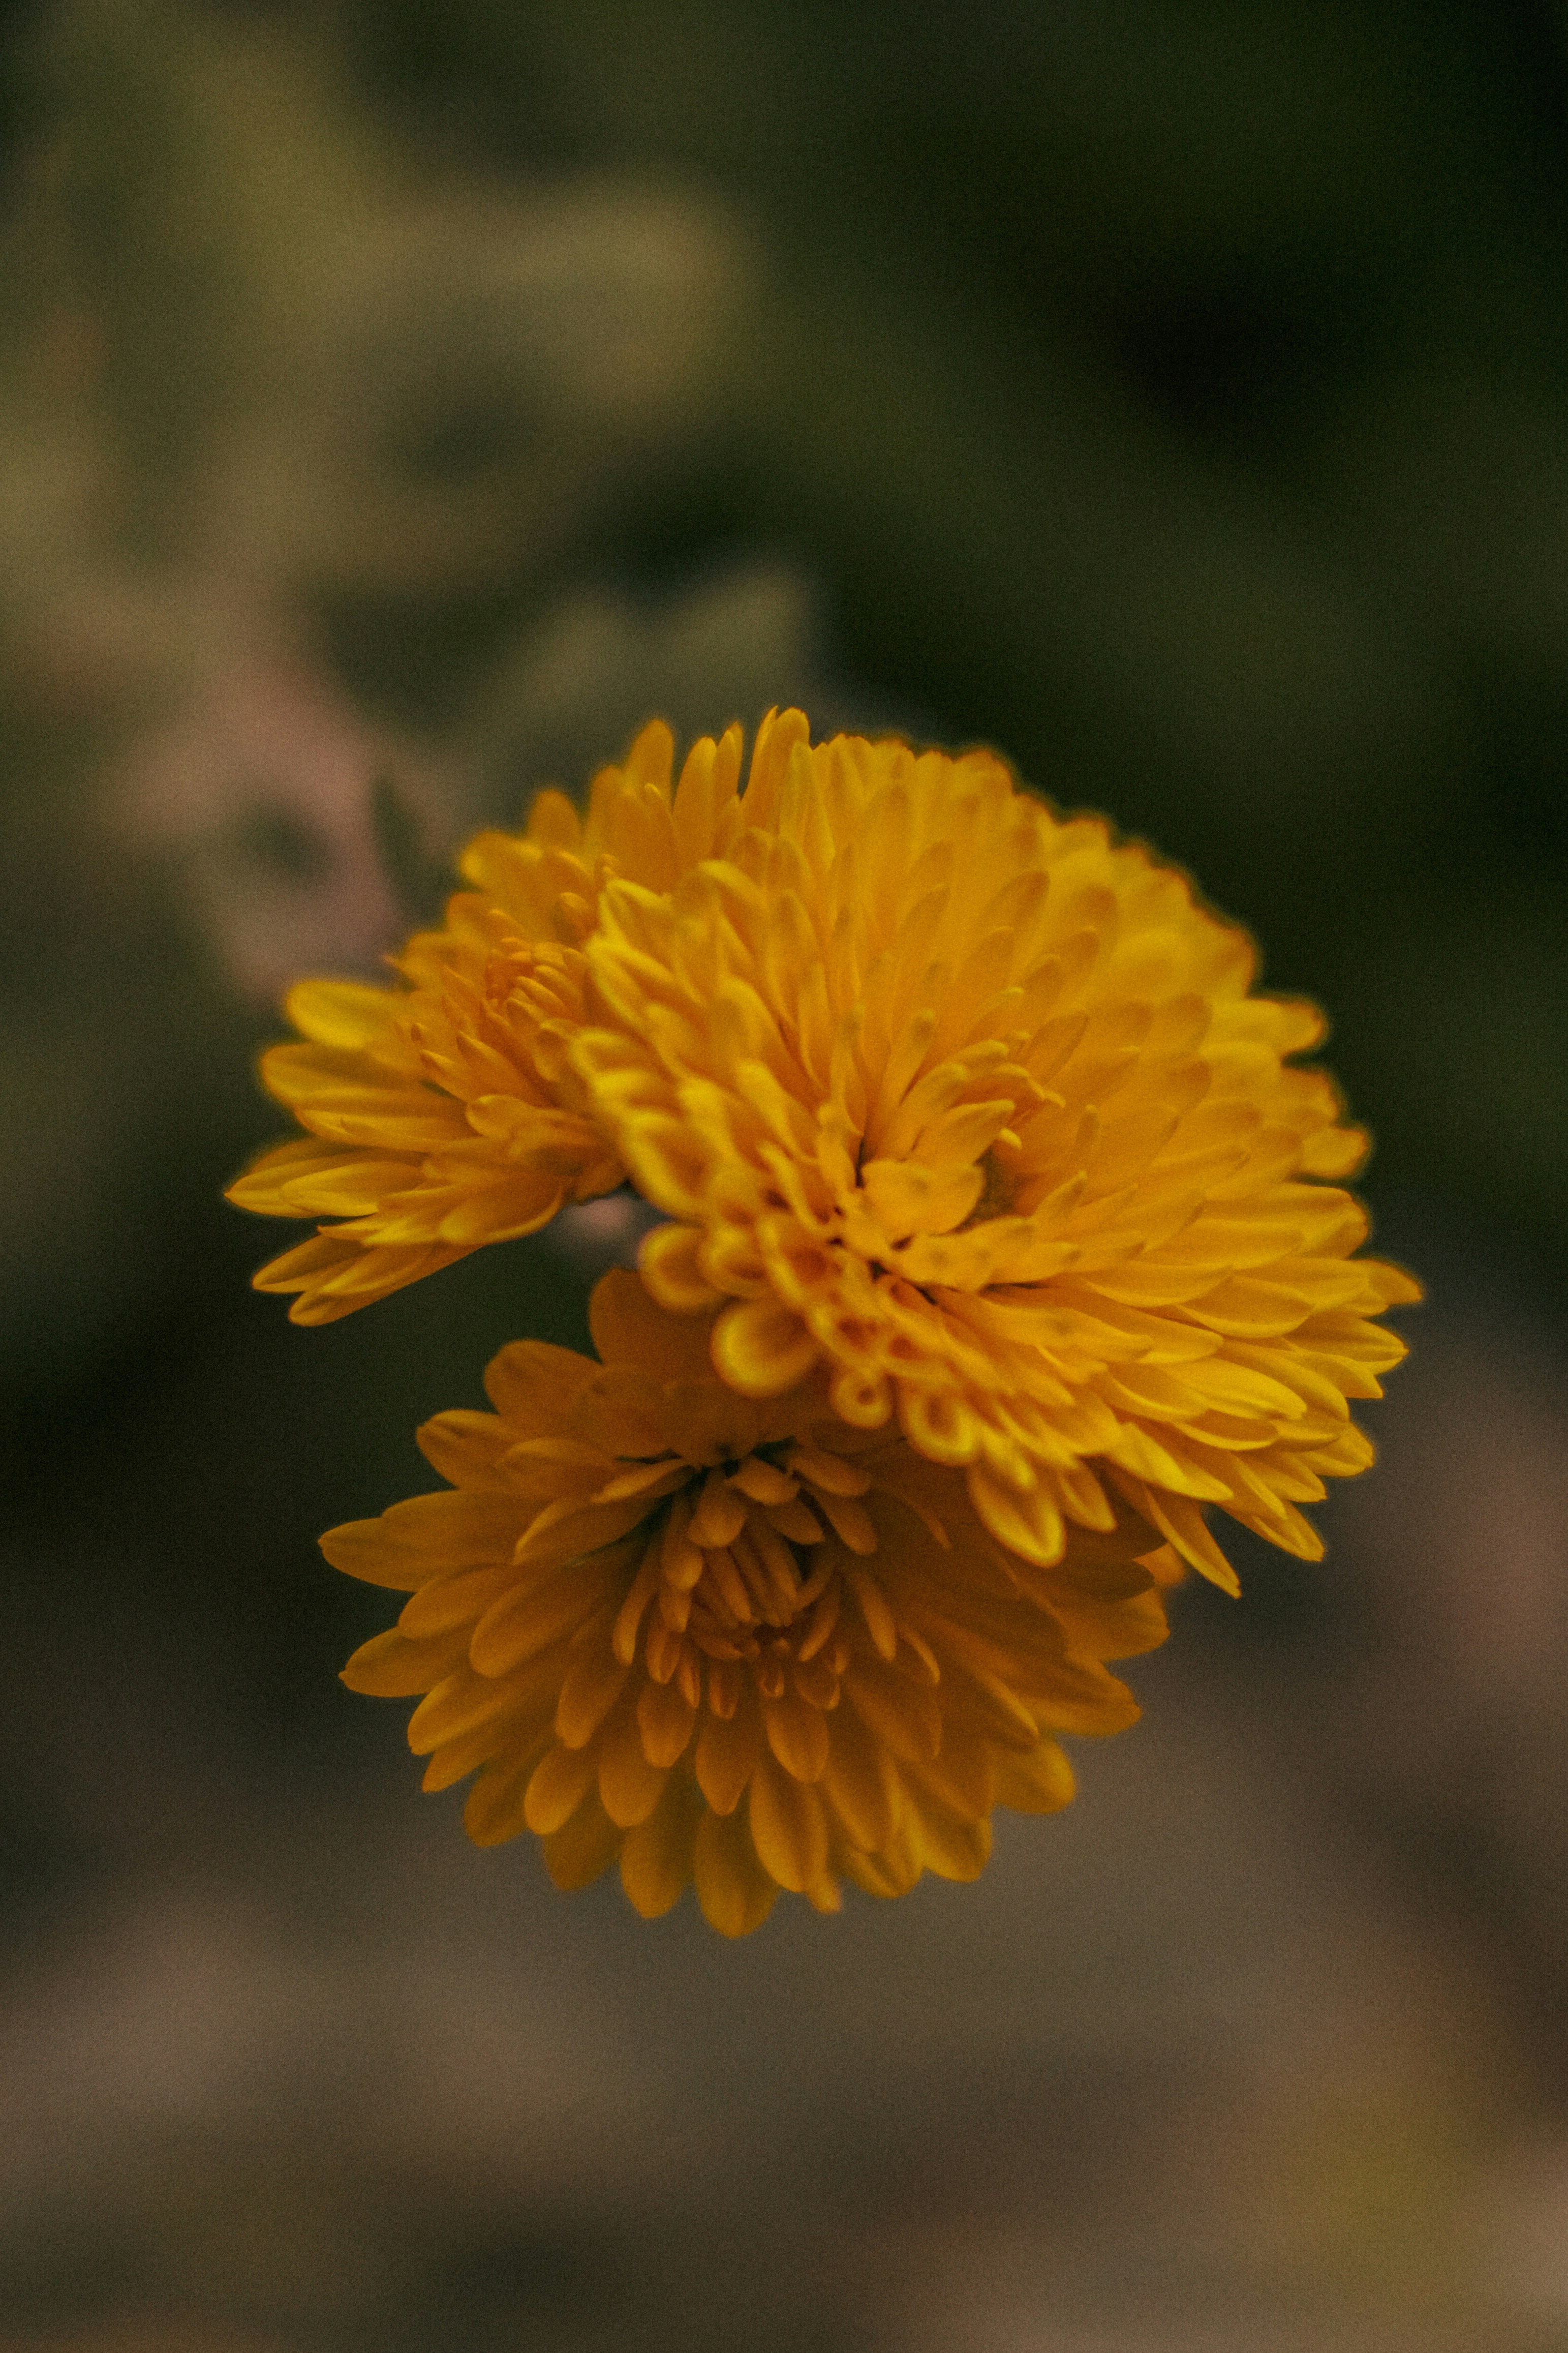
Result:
[400,401]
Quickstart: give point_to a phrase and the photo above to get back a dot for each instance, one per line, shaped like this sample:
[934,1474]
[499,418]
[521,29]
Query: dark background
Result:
[398,403]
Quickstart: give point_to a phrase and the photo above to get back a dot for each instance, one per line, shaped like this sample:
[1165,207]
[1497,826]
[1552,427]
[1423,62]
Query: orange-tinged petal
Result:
[595,1681]
[860,1784]
[582,1848]
[734,1891]
[665,1720]
[1036,1780]
[560,1780]
[727,1753]
[797,1734]
[525,1620]
[657,1857]
[762,1348]
[630,1785]
[389,1666]
[494,1810]
[667,1261]
[947,1844]
[788,1828]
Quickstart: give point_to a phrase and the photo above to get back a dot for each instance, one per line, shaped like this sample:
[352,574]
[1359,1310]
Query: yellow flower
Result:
[729,1639]
[445,1112]
[972,1106]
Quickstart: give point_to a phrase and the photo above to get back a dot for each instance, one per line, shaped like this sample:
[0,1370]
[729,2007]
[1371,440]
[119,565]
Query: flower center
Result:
[741,1577]
[543,980]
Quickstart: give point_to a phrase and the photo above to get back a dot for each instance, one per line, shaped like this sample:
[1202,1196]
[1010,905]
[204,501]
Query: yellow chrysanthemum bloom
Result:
[445,1112]
[729,1639]
[972,1106]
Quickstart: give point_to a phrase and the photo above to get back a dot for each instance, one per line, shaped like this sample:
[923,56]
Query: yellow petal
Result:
[629,1784]
[860,1784]
[560,1782]
[788,1828]
[1034,1781]
[657,1858]
[728,1750]
[735,1893]
[1027,1524]
[762,1348]
[668,1261]
[390,1666]
[904,1717]
[946,1843]
[494,1810]
[343,1012]
[797,1734]
[528,1619]
[581,1849]
[665,1719]
[594,1682]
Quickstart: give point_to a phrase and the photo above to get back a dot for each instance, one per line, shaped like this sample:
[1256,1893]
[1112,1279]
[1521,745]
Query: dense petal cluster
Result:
[445,1112]
[1004,1237]
[730,1640]
[974,1107]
